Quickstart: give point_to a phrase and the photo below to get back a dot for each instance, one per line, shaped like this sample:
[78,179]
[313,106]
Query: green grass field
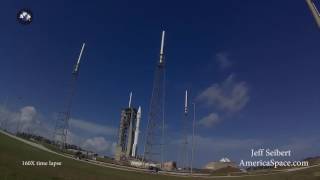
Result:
[13,152]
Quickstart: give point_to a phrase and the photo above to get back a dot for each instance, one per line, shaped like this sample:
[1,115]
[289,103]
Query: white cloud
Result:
[26,119]
[92,136]
[210,120]
[99,144]
[28,113]
[92,128]
[229,96]
[82,133]
[223,59]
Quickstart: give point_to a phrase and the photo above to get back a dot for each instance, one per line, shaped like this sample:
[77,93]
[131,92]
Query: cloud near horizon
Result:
[95,137]
[227,97]
[91,127]
[99,145]
[210,120]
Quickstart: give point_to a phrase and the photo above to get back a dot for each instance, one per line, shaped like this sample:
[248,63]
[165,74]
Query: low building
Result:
[141,164]
[223,163]
[83,154]
[169,166]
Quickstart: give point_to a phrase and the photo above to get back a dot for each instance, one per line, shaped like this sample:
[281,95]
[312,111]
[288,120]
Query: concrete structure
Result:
[126,134]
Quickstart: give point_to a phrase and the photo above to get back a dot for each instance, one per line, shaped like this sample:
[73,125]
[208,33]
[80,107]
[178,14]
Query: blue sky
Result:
[252,68]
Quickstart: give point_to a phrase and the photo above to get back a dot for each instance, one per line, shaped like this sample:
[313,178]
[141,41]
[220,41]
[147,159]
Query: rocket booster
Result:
[76,68]
[136,134]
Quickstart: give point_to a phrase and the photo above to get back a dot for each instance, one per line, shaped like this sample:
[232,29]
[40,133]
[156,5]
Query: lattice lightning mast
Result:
[184,153]
[314,11]
[62,123]
[154,145]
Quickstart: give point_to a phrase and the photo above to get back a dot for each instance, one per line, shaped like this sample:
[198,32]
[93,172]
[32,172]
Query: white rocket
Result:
[136,134]
[76,68]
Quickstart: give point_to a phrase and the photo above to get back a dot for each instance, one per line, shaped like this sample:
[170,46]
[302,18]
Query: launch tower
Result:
[154,145]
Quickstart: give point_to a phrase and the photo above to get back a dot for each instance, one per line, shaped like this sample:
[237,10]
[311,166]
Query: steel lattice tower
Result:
[184,133]
[314,10]
[154,145]
[62,122]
